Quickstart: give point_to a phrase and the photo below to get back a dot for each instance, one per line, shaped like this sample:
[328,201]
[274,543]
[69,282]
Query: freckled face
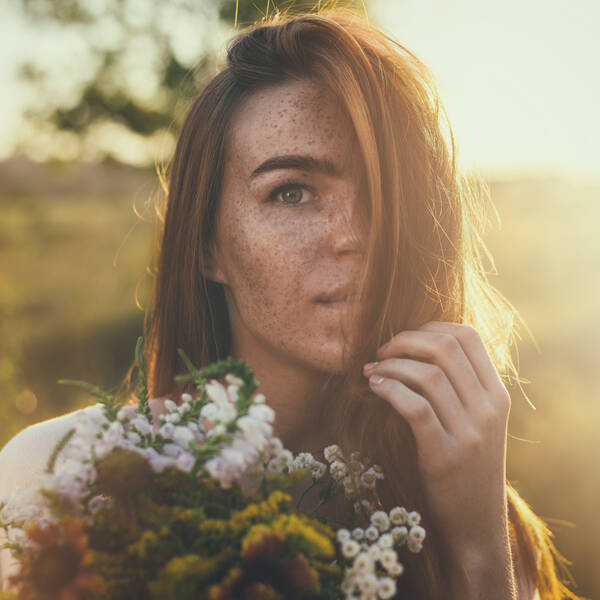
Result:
[287,225]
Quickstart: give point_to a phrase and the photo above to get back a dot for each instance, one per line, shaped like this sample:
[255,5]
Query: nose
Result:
[347,224]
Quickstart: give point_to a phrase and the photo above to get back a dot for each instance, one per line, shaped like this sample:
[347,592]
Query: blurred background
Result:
[94,92]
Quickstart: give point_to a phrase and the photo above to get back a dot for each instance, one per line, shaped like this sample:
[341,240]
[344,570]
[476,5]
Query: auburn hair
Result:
[424,257]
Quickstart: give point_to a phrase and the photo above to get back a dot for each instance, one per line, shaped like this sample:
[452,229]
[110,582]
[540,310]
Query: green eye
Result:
[291,194]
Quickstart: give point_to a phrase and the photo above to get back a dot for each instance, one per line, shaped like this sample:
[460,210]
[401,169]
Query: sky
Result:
[519,79]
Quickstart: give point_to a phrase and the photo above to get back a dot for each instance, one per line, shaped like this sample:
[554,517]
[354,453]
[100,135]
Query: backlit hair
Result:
[424,255]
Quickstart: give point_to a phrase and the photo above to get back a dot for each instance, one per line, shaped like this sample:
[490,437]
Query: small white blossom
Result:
[396,569]
[172,450]
[367,583]
[234,380]
[338,470]
[185,397]
[304,460]
[380,520]
[414,545]
[342,535]
[358,533]
[375,551]
[169,405]
[183,436]
[417,533]
[386,588]
[332,453]
[385,541]
[185,461]
[318,469]
[413,518]
[350,548]
[167,431]
[399,534]
[388,558]
[399,515]
[259,399]
[363,562]
[371,533]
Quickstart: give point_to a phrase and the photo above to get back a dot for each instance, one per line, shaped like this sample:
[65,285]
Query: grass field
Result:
[73,256]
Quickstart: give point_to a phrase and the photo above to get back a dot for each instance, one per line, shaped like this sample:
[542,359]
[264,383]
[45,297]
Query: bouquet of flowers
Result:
[197,506]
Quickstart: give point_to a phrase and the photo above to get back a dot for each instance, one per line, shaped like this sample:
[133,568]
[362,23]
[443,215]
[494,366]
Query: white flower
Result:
[399,515]
[413,518]
[374,551]
[185,461]
[185,407]
[386,588]
[385,541]
[363,562]
[367,583]
[396,569]
[157,461]
[338,470]
[263,412]
[172,450]
[209,411]
[318,469]
[142,425]
[274,446]
[274,466]
[125,413]
[342,535]
[217,393]
[259,399]
[332,453]
[368,479]
[256,431]
[414,545]
[349,487]
[223,470]
[134,437]
[388,558]
[371,533]
[416,533]
[358,533]
[233,392]
[169,405]
[380,520]
[183,436]
[173,417]
[98,503]
[304,460]
[167,431]
[350,548]
[185,397]
[227,413]
[399,534]
[234,379]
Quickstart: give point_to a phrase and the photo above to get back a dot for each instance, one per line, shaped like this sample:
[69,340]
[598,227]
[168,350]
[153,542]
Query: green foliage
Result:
[106,94]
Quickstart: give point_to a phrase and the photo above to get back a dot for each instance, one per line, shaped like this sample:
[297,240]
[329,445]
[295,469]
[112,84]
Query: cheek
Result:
[267,273]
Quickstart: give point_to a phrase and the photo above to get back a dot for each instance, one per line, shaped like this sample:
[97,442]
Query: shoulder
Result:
[24,458]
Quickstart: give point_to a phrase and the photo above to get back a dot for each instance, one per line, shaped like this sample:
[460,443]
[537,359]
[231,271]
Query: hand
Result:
[441,379]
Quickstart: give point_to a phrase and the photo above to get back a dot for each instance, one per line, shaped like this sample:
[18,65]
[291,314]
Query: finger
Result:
[443,350]
[476,352]
[415,409]
[431,382]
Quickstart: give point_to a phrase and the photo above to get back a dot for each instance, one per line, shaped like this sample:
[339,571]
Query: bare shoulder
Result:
[25,456]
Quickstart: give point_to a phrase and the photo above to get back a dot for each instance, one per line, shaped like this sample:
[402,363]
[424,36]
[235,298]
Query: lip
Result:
[337,295]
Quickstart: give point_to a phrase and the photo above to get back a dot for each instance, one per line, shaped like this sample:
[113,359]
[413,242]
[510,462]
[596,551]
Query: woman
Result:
[314,213]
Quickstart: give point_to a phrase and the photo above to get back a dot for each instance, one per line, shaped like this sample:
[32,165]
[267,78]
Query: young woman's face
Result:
[288,226]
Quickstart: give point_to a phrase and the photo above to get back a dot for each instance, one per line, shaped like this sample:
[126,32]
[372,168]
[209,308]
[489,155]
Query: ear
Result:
[212,270]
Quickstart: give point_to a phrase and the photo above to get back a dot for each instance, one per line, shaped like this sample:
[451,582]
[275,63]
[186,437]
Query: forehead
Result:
[295,117]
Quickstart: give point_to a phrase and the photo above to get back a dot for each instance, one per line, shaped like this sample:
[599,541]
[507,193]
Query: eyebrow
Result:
[297,161]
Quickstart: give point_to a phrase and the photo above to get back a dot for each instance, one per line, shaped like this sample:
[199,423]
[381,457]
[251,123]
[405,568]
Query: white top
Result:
[22,463]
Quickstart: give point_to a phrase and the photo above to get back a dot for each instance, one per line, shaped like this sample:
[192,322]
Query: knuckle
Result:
[434,375]
[419,410]
[472,442]
[447,343]
[469,332]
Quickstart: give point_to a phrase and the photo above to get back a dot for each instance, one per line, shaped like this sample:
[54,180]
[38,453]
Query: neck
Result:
[294,392]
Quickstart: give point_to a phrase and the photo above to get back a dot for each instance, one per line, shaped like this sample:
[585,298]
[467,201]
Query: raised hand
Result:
[441,379]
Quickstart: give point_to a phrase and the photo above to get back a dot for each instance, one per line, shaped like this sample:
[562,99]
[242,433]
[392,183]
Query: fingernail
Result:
[369,366]
[375,379]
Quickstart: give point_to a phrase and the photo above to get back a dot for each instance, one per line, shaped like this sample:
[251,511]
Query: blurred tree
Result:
[144,60]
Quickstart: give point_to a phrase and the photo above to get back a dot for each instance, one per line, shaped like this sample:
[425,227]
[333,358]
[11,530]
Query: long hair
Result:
[424,257]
